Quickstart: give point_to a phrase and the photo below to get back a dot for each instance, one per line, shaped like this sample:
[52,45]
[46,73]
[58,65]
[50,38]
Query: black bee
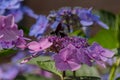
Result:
[59,31]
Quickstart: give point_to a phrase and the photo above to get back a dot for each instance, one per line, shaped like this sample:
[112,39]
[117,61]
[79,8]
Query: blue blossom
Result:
[11,7]
[79,17]
[87,18]
[10,4]
[29,12]
[39,27]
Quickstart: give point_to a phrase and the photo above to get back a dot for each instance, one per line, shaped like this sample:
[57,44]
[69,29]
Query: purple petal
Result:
[86,23]
[102,24]
[107,53]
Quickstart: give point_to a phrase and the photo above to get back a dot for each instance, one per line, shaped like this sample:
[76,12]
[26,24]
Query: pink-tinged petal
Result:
[26,60]
[33,45]
[1,35]
[22,46]
[102,64]
[107,53]
[39,46]
[73,65]
[9,21]
[45,43]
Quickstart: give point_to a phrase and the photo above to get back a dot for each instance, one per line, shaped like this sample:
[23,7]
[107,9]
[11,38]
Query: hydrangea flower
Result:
[85,53]
[36,47]
[10,36]
[39,27]
[87,18]
[99,54]
[10,4]
[71,52]
[43,44]
[79,17]
[66,59]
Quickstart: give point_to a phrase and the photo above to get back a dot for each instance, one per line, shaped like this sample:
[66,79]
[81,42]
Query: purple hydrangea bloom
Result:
[66,59]
[99,54]
[39,28]
[86,54]
[71,52]
[36,47]
[10,36]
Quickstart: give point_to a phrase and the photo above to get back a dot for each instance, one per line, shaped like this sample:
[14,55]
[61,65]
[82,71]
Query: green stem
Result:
[113,69]
[64,74]
[116,64]
[74,73]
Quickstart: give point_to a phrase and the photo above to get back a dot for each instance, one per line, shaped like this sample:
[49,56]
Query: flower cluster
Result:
[10,36]
[71,52]
[76,18]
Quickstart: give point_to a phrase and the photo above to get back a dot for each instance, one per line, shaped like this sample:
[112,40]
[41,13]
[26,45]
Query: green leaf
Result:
[77,33]
[85,71]
[7,52]
[31,77]
[106,38]
[49,66]
[39,58]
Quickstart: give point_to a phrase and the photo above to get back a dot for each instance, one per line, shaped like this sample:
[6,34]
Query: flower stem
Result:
[113,69]
[74,73]
[116,64]
[64,74]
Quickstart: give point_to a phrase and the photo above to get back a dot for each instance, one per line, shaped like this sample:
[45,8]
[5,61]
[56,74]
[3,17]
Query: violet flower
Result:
[39,46]
[85,53]
[71,52]
[66,59]
[99,54]
[36,47]
[39,28]
[10,36]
